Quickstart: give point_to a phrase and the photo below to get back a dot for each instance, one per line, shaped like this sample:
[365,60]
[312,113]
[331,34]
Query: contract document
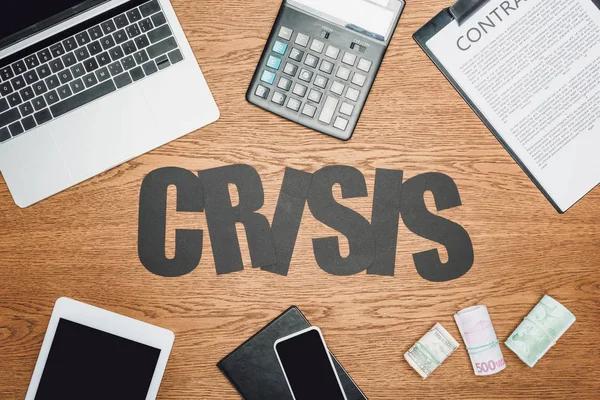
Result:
[531,70]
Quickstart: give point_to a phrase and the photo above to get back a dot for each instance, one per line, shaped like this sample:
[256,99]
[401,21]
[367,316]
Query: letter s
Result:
[349,223]
[153,221]
[420,221]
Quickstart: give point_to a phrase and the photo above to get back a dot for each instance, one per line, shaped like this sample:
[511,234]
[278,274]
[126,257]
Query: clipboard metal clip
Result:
[462,10]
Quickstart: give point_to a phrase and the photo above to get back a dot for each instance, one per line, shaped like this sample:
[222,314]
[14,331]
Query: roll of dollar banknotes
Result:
[477,331]
[540,330]
[431,351]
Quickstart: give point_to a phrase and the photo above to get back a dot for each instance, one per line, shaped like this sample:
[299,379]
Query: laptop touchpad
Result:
[105,133]
[33,167]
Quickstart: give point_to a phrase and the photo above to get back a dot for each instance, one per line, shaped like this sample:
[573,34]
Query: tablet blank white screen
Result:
[85,363]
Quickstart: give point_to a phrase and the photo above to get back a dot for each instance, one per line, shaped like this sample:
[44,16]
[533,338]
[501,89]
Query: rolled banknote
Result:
[480,339]
[431,351]
[540,330]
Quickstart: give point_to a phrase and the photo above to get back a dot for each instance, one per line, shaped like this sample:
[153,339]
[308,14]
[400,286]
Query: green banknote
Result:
[540,330]
[431,351]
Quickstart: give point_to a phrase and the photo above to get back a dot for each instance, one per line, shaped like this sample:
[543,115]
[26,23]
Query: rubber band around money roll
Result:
[541,328]
[481,349]
[426,352]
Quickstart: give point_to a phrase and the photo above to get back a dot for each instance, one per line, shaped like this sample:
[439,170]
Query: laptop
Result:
[88,85]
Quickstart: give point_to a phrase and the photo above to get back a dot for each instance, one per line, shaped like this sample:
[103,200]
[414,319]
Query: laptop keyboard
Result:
[104,55]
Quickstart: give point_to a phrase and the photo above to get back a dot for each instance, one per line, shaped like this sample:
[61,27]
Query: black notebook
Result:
[253,368]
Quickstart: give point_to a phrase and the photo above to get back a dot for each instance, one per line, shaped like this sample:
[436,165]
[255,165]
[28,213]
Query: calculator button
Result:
[328,110]
[279,47]
[317,46]
[302,40]
[262,91]
[346,108]
[340,123]
[337,88]
[296,54]
[278,98]
[293,104]
[321,81]
[274,62]
[364,65]
[315,96]
[311,61]
[285,33]
[290,69]
[309,110]
[343,73]
[284,83]
[358,47]
[299,90]
[332,52]
[305,75]
[268,77]
[352,94]
[326,67]
[359,79]
[349,58]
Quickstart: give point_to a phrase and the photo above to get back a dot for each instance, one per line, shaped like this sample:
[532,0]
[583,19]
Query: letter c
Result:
[459,46]
[152,222]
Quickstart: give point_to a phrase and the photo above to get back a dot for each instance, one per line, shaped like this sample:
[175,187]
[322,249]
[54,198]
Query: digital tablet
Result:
[90,353]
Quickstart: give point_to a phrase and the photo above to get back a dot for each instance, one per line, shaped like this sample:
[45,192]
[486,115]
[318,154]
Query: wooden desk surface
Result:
[83,243]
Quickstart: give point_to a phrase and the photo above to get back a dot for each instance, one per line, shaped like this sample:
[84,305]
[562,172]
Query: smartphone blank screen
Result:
[307,367]
[85,363]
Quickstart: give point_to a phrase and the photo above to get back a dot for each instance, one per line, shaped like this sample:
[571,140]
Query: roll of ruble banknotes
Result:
[431,351]
[477,331]
[540,330]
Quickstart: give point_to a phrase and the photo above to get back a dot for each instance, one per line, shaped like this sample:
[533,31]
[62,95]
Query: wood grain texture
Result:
[83,243]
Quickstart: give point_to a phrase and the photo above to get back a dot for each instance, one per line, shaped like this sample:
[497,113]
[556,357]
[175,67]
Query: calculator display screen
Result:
[373,18]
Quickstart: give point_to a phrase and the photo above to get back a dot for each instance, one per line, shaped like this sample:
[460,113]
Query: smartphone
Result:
[307,366]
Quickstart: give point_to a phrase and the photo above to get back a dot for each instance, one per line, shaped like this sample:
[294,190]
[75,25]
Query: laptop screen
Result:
[29,17]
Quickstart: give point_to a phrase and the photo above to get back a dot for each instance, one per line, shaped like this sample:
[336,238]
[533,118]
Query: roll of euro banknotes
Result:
[477,331]
[540,330]
[431,351]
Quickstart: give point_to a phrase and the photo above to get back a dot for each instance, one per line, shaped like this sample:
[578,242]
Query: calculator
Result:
[321,60]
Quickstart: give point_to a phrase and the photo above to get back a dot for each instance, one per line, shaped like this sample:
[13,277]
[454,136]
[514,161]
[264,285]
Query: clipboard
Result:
[461,11]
